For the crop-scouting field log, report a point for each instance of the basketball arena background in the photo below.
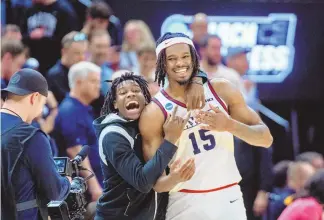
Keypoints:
(286, 38)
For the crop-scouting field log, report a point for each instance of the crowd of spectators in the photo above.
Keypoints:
(78, 53)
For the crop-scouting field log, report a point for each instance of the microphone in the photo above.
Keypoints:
(81, 155)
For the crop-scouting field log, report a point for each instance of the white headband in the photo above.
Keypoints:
(172, 41)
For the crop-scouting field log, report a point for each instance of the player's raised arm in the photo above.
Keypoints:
(243, 122)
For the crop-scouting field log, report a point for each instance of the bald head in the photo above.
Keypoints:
(199, 27)
(200, 18)
(74, 48)
(298, 174)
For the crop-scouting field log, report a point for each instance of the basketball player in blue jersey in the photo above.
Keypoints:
(213, 192)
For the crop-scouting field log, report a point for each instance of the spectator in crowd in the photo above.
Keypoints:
(99, 44)
(199, 28)
(99, 16)
(314, 158)
(298, 174)
(147, 62)
(136, 35)
(45, 24)
(236, 59)
(280, 191)
(29, 179)
(12, 59)
(310, 203)
(114, 57)
(74, 48)
(73, 124)
(11, 32)
(211, 61)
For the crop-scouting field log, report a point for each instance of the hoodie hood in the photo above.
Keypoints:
(103, 121)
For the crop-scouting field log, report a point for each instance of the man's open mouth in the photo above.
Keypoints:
(132, 105)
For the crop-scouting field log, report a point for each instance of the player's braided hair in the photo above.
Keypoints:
(160, 71)
(108, 106)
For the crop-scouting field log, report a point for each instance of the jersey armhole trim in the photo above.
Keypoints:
(161, 107)
(167, 96)
(217, 97)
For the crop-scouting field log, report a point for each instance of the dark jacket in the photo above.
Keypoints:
(14, 147)
(58, 82)
(128, 181)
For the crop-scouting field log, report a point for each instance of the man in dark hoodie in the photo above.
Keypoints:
(128, 181)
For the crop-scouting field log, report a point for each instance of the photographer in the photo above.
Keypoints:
(29, 179)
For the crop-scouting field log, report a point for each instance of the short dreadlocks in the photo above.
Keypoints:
(110, 98)
(160, 71)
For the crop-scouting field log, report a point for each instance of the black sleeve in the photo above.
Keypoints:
(202, 75)
(120, 154)
(265, 168)
(23, 25)
(115, 29)
(39, 157)
(55, 85)
(68, 20)
(72, 22)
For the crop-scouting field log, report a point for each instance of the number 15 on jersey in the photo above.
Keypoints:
(202, 140)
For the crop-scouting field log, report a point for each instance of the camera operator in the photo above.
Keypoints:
(29, 179)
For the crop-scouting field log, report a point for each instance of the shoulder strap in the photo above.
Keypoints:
(26, 205)
(116, 129)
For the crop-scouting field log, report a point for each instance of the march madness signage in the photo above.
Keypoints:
(270, 39)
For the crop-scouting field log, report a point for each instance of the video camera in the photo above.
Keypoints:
(73, 207)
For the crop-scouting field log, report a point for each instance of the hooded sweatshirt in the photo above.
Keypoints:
(128, 180)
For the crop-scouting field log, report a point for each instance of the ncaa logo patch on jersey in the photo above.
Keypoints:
(168, 106)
